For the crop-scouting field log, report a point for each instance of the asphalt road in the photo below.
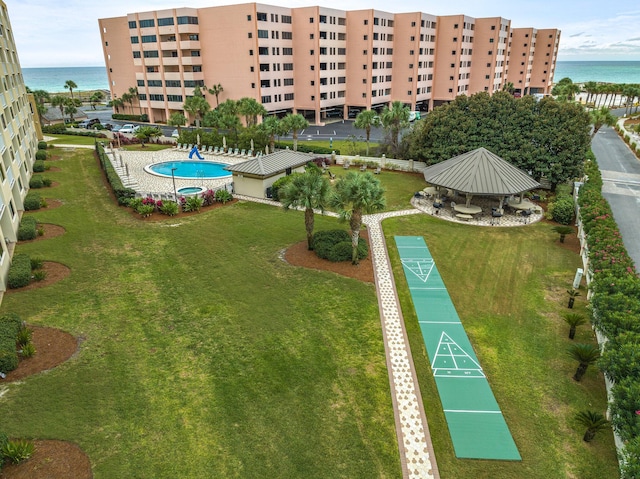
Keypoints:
(621, 186)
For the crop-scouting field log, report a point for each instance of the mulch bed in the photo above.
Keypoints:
(51, 460)
(55, 272)
(50, 231)
(160, 217)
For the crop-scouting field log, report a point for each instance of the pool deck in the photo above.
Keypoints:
(146, 183)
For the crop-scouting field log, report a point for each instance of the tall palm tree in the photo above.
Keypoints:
(590, 87)
(96, 98)
(216, 90)
(310, 191)
(127, 98)
(250, 109)
(574, 320)
(593, 421)
(70, 85)
(357, 194)
(41, 97)
(177, 119)
(294, 123)
(197, 105)
(59, 101)
(585, 354)
(364, 121)
(271, 126)
(394, 119)
(117, 103)
(601, 117)
(70, 108)
(133, 91)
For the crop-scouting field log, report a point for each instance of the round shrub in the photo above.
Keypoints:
(563, 210)
(46, 182)
(28, 228)
(36, 182)
(343, 251)
(38, 166)
(42, 145)
(324, 241)
(32, 201)
(41, 155)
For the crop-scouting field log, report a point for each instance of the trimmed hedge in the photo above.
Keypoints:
(41, 155)
(19, 271)
(615, 303)
(57, 129)
(122, 193)
(304, 148)
(36, 182)
(32, 201)
(39, 166)
(28, 228)
(9, 326)
(563, 210)
(42, 145)
(120, 116)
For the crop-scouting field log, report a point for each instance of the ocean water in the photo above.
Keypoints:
(95, 78)
(53, 79)
(605, 72)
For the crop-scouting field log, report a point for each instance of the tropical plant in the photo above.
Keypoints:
(393, 120)
(59, 101)
(117, 103)
(585, 354)
(191, 203)
(24, 336)
(17, 450)
(71, 107)
(508, 87)
(216, 90)
(29, 349)
(365, 121)
(169, 208)
(573, 294)
(96, 98)
(178, 120)
(146, 133)
(294, 123)
(573, 320)
(197, 105)
(271, 126)
(70, 85)
(309, 191)
(563, 231)
(41, 97)
(593, 421)
(601, 117)
(630, 459)
(621, 357)
(223, 196)
(133, 91)
(250, 109)
(357, 194)
(128, 98)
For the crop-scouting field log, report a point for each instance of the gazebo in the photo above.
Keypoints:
(480, 172)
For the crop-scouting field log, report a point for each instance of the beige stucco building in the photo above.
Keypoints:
(18, 143)
(318, 61)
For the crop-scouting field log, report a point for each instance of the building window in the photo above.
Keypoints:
(195, 53)
(287, 36)
(187, 20)
(287, 67)
(173, 83)
(263, 50)
(154, 82)
(261, 16)
(162, 22)
(287, 51)
(266, 99)
(132, 24)
(288, 96)
(136, 54)
(12, 209)
(264, 67)
(263, 33)
(135, 40)
(177, 98)
(151, 54)
(286, 18)
(147, 23)
(288, 82)
(248, 18)
(149, 39)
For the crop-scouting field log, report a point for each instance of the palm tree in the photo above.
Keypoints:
(364, 121)
(250, 109)
(41, 97)
(216, 90)
(294, 123)
(590, 87)
(117, 103)
(177, 119)
(197, 105)
(508, 87)
(133, 91)
(127, 98)
(59, 101)
(147, 132)
(310, 191)
(70, 85)
(601, 117)
(356, 194)
(96, 98)
(394, 119)
(585, 354)
(271, 126)
(70, 108)
(573, 294)
(593, 421)
(573, 320)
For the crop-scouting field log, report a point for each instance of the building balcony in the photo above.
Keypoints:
(169, 45)
(170, 60)
(190, 45)
(188, 28)
(191, 61)
(172, 75)
(151, 62)
(193, 76)
(156, 104)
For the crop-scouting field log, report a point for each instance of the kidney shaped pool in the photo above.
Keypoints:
(187, 169)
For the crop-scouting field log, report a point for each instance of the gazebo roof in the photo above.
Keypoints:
(480, 172)
(272, 164)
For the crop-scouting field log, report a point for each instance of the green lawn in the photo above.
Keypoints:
(74, 140)
(509, 288)
(203, 354)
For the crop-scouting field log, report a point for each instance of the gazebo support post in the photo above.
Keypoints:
(469, 196)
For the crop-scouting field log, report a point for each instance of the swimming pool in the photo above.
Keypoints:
(187, 169)
(191, 190)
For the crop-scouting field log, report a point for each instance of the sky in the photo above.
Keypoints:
(52, 33)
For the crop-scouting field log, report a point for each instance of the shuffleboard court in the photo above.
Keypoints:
(477, 427)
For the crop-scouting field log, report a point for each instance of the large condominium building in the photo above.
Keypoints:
(18, 143)
(317, 61)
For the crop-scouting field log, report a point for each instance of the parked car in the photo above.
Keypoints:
(116, 128)
(88, 123)
(129, 128)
